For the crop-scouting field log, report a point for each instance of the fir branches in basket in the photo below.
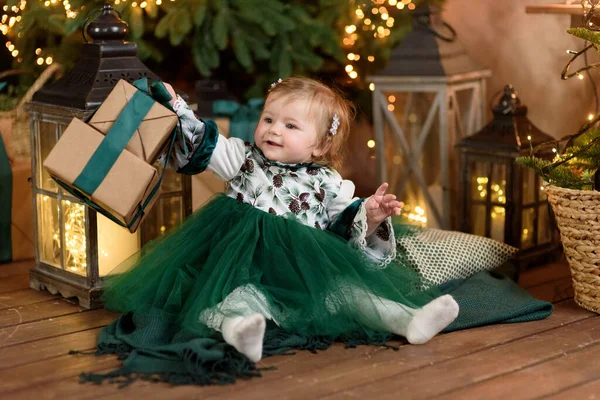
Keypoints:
(576, 166)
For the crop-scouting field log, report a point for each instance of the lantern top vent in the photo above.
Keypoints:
(104, 61)
(510, 129)
(107, 26)
(430, 49)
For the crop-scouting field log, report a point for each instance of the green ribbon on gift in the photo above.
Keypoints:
(242, 117)
(114, 143)
(5, 205)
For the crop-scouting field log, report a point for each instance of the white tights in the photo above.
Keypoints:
(245, 330)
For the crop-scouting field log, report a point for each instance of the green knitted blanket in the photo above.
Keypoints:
(487, 298)
(152, 349)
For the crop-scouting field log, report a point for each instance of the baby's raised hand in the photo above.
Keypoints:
(171, 92)
(380, 206)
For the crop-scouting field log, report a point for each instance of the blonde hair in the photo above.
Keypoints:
(324, 102)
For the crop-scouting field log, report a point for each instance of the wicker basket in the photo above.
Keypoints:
(17, 119)
(577, 215)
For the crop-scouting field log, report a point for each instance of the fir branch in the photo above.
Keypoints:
(586, 34)
(561, 176)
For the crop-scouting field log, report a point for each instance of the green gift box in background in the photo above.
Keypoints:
(242, 117)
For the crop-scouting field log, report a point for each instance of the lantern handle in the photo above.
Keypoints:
(54, 68)
(427, 25)
(93, 14)
(497, 95)
(494, 97)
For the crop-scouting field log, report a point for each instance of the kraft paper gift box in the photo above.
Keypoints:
(151, 135)
(125, 187)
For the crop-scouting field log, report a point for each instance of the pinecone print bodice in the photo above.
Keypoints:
(289, 190)
(312, 194)
(309, 193)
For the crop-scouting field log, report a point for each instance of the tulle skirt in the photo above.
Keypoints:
(230, 259)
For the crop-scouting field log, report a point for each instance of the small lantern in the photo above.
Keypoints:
(499, 198)
(75, 246)
(431, 95)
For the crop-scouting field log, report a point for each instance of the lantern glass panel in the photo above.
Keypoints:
(150, 225)
(172, 212)
(498, 184)
(544, 227)
(75, 257)
(530, 185)
(115, 244)
(47, 139)
(48, 230)
(166, 214)
(479, 181)
(172, 181)
(464, 112)
(497, 220)
(478, 219)
(528, 228)
(411, 111)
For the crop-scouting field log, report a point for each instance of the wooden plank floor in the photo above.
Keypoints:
(556, 358)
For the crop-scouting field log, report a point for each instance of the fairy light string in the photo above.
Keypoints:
(374, 17)
(10, 22)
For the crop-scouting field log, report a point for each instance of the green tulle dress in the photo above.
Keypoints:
(308, 281)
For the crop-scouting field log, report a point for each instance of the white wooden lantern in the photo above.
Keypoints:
(431, 95)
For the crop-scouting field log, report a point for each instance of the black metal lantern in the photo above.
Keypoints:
(75, 246)
(499, 198)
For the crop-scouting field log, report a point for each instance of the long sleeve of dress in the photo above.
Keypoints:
(348, 218)
(206, 148)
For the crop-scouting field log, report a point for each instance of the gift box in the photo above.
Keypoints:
(150, 137)
(122, 190)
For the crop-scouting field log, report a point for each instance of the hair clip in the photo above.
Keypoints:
(275, 83)
(334, 125)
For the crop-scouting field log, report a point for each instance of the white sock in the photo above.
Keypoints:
(429, 320)
(245, 334)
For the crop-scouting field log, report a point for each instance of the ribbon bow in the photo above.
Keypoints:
(161, 95)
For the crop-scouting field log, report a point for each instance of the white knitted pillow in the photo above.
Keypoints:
(440, 256)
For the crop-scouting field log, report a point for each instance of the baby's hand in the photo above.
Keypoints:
(171, 92)
(380, 206)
